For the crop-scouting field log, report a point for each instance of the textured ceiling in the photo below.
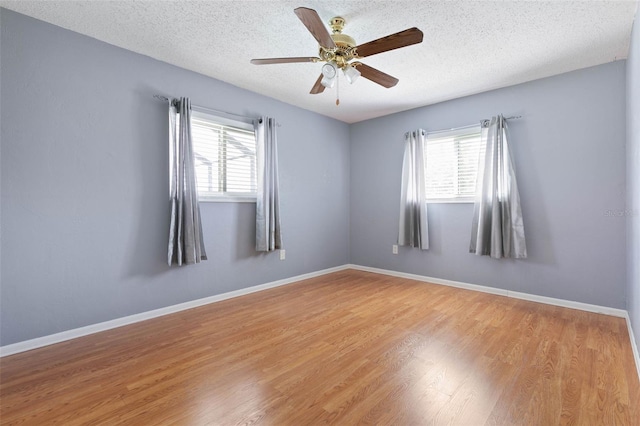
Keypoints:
(469, 46)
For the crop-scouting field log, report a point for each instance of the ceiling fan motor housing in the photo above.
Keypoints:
(345, 49)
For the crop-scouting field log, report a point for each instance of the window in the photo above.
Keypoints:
(225, 158)
(452, 164)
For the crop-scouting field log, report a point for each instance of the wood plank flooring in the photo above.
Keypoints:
(346, 348)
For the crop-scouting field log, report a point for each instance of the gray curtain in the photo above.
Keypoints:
(186, 244)
(497, 227)
(268, 235)
(413, 227)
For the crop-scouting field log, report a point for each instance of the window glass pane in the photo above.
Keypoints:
(225, 157)
(451, 162)
(441, 173)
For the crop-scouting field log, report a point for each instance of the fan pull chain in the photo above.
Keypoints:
(337, 88)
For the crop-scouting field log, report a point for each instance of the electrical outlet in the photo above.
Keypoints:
(282, 254)
(394, 249)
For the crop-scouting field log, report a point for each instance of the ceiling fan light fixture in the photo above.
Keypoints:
(329, 70)
(328, 82)
(329, 74)
(351, 73)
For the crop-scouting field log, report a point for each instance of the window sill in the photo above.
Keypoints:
(451, 201)
(227, 199)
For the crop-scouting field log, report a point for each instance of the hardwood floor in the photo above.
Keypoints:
(346, 348)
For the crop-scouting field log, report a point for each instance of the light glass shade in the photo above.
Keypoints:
(329, 74)
(351, 73)
(328, 82)
(329, 70)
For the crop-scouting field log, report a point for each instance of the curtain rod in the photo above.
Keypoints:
(485, 121)
(482, 122)
(513, 117)
(217, 111)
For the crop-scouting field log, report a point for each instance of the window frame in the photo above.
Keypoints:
(460, 132)
(226, 197)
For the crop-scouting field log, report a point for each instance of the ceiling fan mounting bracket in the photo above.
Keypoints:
(337, 24)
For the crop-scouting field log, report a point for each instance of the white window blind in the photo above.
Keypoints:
(225, 157)
(451, 162)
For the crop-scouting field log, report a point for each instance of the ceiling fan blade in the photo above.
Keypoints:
(312, 21)
(282, 60)
(317, 87)
(390, 42)
(376, 76)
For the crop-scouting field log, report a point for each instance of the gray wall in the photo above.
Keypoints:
(84, 186)
(569, 152)
(633, 181)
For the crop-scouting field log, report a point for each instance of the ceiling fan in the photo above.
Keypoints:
(338, 50)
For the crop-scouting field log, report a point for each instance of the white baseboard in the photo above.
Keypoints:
(634, 347)
(507, 293)
(51, 339)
